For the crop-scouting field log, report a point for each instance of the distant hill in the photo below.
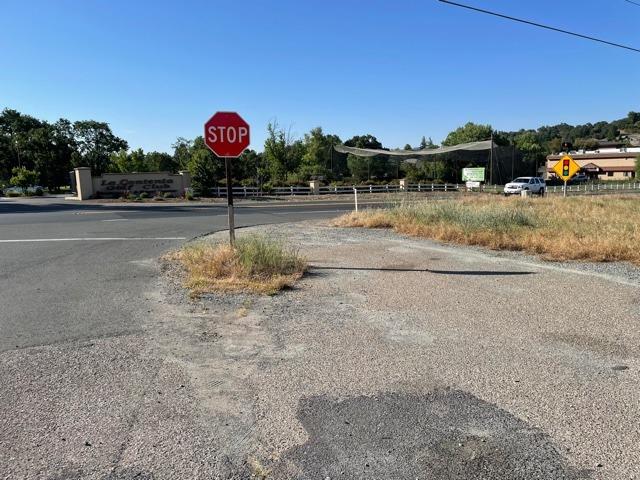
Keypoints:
(625, 130)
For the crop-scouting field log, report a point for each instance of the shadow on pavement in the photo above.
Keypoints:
(425, 270)
(446, 434)
(16, 207)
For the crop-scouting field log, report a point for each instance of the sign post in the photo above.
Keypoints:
(231, 221)
(565, 169)
(227, 136)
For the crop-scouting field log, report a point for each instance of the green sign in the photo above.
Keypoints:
(473, 174)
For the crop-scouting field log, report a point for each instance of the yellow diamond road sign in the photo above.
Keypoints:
(566, 168)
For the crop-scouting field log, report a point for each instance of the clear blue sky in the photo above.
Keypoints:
(397, 69)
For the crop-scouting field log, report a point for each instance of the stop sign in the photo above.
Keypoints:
(226, 134)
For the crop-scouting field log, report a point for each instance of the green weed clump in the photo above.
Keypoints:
(470, 217)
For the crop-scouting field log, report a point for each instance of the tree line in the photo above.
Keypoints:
(42, 152)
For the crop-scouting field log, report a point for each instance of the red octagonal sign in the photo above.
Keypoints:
(226, 134)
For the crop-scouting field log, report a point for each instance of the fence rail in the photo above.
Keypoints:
(595, 188)
(586, 188)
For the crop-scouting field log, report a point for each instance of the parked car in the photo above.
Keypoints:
(520, 184)
(579, 178)
(12, 191)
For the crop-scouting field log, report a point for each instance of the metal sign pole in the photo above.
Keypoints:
(232, 233)
(564, 190)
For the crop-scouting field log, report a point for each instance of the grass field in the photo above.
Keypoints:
(601, 229)
(256, 264)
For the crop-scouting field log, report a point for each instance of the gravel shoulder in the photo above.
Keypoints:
(404, 358)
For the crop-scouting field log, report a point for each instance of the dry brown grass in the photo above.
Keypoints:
(600, 229)
(256, 264)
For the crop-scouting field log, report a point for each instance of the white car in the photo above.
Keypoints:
(520, 184)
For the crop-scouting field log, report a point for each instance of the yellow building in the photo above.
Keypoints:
(604, 164)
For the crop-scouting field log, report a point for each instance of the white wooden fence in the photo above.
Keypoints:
(586, 188)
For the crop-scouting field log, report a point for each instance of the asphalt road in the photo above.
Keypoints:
(84, 384)
(70, 271)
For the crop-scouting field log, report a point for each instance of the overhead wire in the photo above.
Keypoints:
(540, 25)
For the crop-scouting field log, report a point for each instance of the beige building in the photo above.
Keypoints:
(604, 164)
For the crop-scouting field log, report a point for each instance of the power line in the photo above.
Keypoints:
(547, 27)
(633, 3)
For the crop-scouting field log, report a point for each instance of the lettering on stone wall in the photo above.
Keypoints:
(137, 185)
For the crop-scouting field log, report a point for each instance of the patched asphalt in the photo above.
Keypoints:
(446, 434)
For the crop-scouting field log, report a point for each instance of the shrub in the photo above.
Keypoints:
(144, 195)
(263, 257)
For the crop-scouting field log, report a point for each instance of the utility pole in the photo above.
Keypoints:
(491, 162)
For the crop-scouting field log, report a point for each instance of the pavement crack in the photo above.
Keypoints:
(73, 342)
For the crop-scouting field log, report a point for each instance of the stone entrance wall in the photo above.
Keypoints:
(119, 184)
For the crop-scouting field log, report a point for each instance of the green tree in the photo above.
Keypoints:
(125, 162)
(20, 148)
(407, 147)
(470, 132)
(554, 145)
(36, 145)
(23, 178)
(586, 143)
(359, 167)
(318, 157)
(249, 168)
(533, 152)
(275, 153)
(161, 162)
(375, 167)
(528, 142)
(64, 146)
(182, 152)
(296, 150)
(638, 166)
(364, 141)
(427, 144)
(96, 143)
(41, 153)
(205, 171)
